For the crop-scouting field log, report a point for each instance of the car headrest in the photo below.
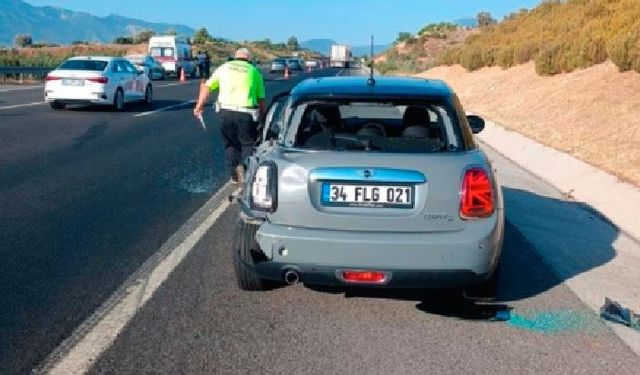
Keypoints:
(414, 115)
(371, 130)
(416, 131)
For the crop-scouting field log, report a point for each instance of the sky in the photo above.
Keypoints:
(345, 21)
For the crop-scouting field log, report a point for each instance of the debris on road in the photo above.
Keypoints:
(614, 312)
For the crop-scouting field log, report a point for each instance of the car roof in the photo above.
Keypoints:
(98, 58)
(356, 86)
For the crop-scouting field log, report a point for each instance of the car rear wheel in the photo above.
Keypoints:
(57, 105)
(244, 252)
(148, 95)
(118, 100)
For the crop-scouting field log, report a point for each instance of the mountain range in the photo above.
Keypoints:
(57, 25)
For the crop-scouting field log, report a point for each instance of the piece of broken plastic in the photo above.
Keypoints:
(614, 312)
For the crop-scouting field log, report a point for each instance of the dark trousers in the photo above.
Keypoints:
(239, 133)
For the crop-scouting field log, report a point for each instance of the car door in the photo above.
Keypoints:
(138, 81)
(123, 77)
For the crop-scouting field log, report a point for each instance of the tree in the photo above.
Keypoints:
(23, 40)
(201, 36)
(143, 36)
(292, 43)
(123, 40)
(484, 19)
(171, 32)
(404, 36)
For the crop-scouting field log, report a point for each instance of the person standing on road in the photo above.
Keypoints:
(201, 58)
(241, 102)
(207, 65)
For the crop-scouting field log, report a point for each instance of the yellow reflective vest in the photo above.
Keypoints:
(240, 84)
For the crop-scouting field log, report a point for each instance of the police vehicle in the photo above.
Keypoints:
(369, 182)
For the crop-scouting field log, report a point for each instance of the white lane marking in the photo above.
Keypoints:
(9, 89)
(77, 354)
(164, 108)
(176, 84)
(21, 105)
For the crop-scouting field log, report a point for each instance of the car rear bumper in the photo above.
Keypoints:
(91, 98)
(453, 259)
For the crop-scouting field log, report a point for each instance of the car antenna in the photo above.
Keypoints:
(371, 81)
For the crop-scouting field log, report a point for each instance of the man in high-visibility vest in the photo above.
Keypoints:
(240, 103)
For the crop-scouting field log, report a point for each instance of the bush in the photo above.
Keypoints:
(123, 40)
(450, 56)
(524, 53)
(471, 59)
(624, 52)
(505, 57)
(23, 40)
(549, 60)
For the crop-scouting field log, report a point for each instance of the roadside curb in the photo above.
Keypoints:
(618, 201)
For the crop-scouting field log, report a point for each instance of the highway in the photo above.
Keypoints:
(88, 195)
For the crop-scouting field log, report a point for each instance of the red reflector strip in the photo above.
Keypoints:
(98, 79)
(53, 78)
(364, 277)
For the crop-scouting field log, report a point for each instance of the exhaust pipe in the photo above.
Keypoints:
(291, 277)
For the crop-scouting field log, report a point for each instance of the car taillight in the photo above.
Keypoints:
(264, 193)
(476, 196)
(102, 80)
(53, 78)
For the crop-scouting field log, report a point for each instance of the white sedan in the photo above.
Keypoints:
(97, 80)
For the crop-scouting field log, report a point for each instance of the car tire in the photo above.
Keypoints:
(148, 95)
(243, 252)
(118, 100)
(486, 291)
(57, 105)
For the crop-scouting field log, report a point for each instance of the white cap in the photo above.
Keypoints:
(243, 53)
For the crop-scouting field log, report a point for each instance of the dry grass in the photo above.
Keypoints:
(593, 113)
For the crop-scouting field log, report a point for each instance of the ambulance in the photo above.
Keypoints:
(173, 52)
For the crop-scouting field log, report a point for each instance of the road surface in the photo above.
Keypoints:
(88, 195)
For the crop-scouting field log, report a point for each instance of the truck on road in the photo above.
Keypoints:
(340, 55)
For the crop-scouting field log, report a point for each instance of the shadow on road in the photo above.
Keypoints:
(581, 236)
(128, 108)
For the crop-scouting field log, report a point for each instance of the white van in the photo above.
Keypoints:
(173, 52)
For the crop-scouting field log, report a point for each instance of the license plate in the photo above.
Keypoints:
(73, 82)
(375, 196)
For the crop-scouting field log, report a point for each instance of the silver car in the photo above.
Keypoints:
(369, 183)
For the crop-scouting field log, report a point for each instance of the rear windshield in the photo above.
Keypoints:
(94, 65)
(162, 52)
(136, 59)
(415, 127)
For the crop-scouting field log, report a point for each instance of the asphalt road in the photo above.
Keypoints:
(89, 196)
(86, 196)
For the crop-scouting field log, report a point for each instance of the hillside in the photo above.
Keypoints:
(57, 25)
(415, 53)
(591, 113)
(560, 36)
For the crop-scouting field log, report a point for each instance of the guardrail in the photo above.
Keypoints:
(20, 72)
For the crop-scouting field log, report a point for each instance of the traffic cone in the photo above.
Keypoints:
(183, 78)
(286, 72)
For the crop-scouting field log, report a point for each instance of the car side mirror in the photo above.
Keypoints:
(476, 123)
